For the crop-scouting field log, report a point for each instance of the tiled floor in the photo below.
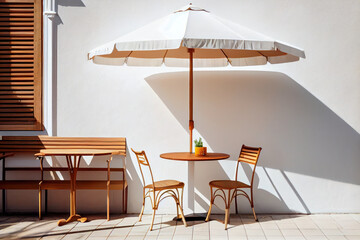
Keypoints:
(271, 227)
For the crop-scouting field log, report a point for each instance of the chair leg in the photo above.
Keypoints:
(180, 206)
(152, 220)
(256, 219)
(143, 206)
(209, 212)
(252, 204)
(210, 207)
(236, 207)
(182, 215)
(226, 217)
(142, 210)
(177, 210)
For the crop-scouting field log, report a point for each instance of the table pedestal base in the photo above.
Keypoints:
(72, 218)
(192, 217)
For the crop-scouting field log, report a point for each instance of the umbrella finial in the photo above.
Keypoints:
(190, 7)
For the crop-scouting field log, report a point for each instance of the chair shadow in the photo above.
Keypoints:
(298, 133)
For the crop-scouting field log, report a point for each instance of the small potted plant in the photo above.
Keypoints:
(199, 149)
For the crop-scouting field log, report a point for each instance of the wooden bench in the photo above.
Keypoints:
(10, 145)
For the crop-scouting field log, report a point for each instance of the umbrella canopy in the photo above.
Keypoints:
(192, 37)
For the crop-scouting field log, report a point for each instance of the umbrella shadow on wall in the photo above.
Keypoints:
(298, 133)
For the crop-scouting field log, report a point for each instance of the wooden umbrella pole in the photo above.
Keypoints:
(191, 121)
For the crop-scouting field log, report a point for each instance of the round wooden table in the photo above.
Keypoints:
(191, 159)
(186, 156)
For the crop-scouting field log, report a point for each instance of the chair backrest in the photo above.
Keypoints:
(248, 155)
(143, 165)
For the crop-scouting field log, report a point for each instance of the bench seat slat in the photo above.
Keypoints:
(19, 184)
(83, 184)
(51, 169)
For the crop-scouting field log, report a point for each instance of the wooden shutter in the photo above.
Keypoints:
(21, 65)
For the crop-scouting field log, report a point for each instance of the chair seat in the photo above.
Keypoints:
(166, 184)
(228, 184)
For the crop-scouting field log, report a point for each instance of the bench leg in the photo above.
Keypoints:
(126, 198)
(3, 191)
(46, 201)
(108, 203)
(3, 201)
(40, 203)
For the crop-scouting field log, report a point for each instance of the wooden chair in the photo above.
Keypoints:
(159, 190)
(248, 155)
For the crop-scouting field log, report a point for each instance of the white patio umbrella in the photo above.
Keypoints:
(192, 37)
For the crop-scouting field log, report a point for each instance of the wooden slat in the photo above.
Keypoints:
(16, 14)
(25, 126)
(14, 43)
(19, 138)
(16, 105)
(17, 74)
(27, 101)
(16, 96)
(62, 169)
(16, 10)
(19, 184)
(86, 147)
(16, 146)
(16, 47)
(20, 142)
(83, 184)
(16, 114)
(89, 139)
(16, 28)
(98, 184)
(17, 121)
(14, 88)
(250, 150)
(75, 144)
(21, 57)
(17, 150)
(13, 110)
(4, 101)
(16, 5)
(16, 51)
(14, 78)
(15, 84)
(246, 161)
(16, 23)
(17, 1)
(248, 156)
(16, 92)
(16, 38)
(18, 34)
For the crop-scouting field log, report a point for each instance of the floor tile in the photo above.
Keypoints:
(269, 227)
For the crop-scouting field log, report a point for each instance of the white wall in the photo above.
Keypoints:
(305, 114)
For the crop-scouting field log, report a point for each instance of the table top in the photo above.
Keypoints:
(75, 152)
(186, 156)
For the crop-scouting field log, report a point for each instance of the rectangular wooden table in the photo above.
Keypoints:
(73, 157)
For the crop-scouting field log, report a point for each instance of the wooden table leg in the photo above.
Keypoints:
(73, 172)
